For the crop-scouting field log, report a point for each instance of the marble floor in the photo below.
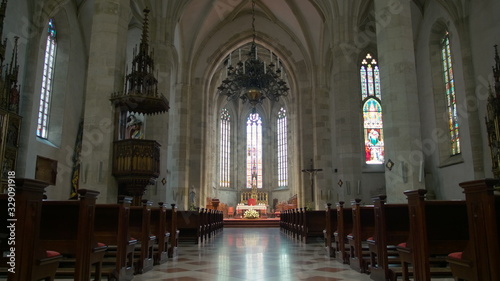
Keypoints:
(261, 254)
(252, 254)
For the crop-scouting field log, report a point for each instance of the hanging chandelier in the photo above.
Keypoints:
(254, 79)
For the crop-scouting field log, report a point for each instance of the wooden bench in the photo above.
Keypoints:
(391, 228)
(140, 229)
(67, 227)
(171, 217)
(363, 227)
(189, 224)
(437, 228)
(344, 227)
(480, 259)
(206, 224)
(112, 228)
(32, 262)
(330, 226)
(159, 229)
(313, 224)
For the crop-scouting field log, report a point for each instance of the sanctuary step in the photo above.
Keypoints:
(269, 222)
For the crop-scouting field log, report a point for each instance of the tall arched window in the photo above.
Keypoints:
(47, 79)
(451, 101)
(281, 137)
(372, 111)
(254, 150)
(225, 148)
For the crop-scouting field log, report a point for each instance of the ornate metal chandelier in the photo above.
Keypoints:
(253, 80)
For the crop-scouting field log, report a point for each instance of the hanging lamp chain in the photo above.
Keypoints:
(253, 22)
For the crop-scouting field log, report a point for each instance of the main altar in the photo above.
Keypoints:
(253, 200)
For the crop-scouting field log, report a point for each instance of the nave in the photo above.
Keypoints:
(260, 254)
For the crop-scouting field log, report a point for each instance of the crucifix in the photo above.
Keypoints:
(312, 172)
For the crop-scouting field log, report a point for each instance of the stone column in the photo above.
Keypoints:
(347, 124)
(105, 75)
(179, 145)
(400, 97)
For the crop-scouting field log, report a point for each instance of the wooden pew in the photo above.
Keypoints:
(32, 262)
(189, 223)
(344, 227)
(313, 224)
(159, 229)
(140, 229)
(68, 227)
(297, 226)
(112, 229)
(171, 218)
(330, 227)
(205, 224)
(391, 228)
(363, 227)
(437, 228)
(480, 260)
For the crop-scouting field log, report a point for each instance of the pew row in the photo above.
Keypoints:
(330, 226)
(140, 230)
(391, 229)
(111, 227)
(480, 259)
(313, 224)
(437, 228)
(363, 227)
(344, 228)
(159, 230)
(67, 226)
(171, 217)
(32, 262)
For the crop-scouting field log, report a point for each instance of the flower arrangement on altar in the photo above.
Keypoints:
(251, 214)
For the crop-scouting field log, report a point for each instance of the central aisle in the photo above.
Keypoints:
(252, 254)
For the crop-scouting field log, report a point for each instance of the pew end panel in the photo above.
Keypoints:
(140, 229)
(430, 239)
(67, 227)
(480, 258)
(159, 229)
(35, 262)
(112, 229)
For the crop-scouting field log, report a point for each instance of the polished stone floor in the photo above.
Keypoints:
(253, 254)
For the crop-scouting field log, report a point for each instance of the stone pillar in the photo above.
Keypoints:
(179, 146)
(347, 125)
(105, 75)
(399, 96)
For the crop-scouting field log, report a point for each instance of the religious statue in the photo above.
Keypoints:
(134, 128)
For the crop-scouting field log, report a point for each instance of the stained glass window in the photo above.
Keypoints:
(225, 148)
(47, 81)
(451, 101)
(372, 111)
(282, 148)
(254, 150)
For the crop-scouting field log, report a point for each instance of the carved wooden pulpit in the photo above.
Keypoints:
(136, 160)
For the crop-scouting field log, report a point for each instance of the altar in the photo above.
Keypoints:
(262, 209)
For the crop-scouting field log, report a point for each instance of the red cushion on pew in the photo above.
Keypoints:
(51, 254)
(402, 244)
(370, 239)
(456, 255)
(101, 245)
